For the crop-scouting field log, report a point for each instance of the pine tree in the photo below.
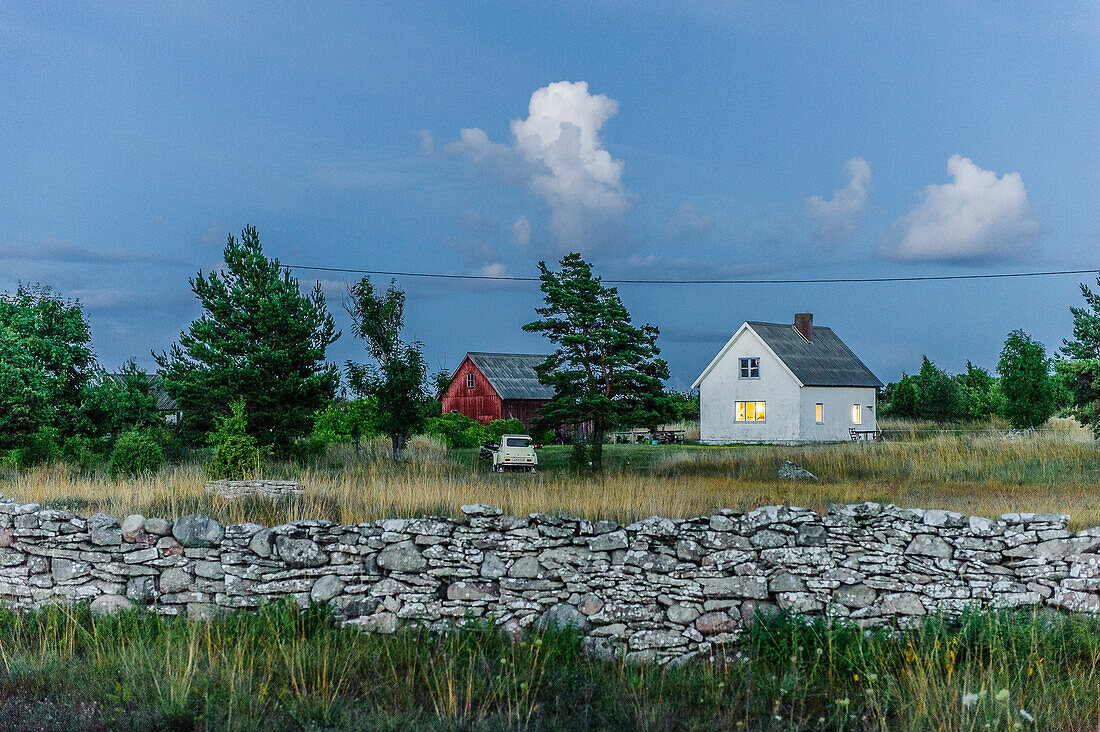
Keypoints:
(605, 370)
(260, 340)
(1086, 328)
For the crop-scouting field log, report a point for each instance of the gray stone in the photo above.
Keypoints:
(524, 568)
(902, 603)
(786, 582)
(158, 526)
(141, 588)
(790, 471)
(608, 542)
(768, 539)
(492, 567)
(64, 570)
(563, 616)
(133, 527)
(469, 591)
(751, 587)
(109, 605)
(209, 570)
(300, 552)
(402, 557)
(856, 596)
(681, 614)
(174, 579)
(326, 588)
(262, 543)
(929, 545)
(590, 604)
(104, 530)
(197, 530)
(810, 535)
(480, 509)
(714, 623)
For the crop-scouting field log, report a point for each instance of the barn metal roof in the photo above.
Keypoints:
(512, 375)
(826, 361)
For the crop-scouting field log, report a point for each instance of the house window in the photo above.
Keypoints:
(750, 368)
(748, 411)
(819, 413)
(857, 414)
(469, 381)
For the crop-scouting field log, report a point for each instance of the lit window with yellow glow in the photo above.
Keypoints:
(819, 413)
(857, 414)
(748, 411)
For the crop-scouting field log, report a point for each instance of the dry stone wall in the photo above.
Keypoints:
(658, 589)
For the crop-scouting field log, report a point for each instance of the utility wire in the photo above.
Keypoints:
(821, 281)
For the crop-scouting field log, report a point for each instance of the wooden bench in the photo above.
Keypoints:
(855, 434)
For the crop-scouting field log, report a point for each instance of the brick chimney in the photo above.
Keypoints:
(804, 324)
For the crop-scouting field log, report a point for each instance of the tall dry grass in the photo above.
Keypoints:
(1056, 471)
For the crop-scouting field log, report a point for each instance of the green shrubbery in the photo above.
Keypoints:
(135, 453)
(237, 454)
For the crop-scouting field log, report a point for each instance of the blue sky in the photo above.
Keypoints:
(662, 140)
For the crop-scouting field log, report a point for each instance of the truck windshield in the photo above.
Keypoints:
(518, 442)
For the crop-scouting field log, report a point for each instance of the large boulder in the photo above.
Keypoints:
(563, 616)
(790, 471)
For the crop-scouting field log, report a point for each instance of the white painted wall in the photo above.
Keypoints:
(837, 404)
(723, 386)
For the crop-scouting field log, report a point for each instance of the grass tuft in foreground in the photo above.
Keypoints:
(278, 669)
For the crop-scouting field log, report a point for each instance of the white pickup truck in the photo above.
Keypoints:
(514, 452)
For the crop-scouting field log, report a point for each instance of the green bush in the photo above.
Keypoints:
(500, 427)
(237, 454)
(579, 458)
(309, 450)
(135, 453)
(37, 448)
(340, 420)
(457, 430)
(82, 451)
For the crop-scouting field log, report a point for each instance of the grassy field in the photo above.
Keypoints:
(981, 474)
(278, 669)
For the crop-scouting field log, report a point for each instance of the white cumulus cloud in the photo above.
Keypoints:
(839, 218)
(557, 153)
(976, 216)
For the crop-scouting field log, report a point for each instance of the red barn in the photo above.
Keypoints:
(488, 386)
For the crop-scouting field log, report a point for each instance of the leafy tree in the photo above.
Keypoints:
(118, 403)
(441, 381)
(1086, 328)
(605, 370)
(901, 397)
(344, 420)
(936, 393)
(979, 395)
(260, 340)
(46, 360)
(1025, 380)
(397, 382)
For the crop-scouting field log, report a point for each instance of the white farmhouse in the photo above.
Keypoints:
(775, 382)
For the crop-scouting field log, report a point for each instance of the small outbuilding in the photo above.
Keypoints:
(786, 383)
(490, 386)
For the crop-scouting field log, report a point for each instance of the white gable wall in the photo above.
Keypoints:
(836, 404)
(722, 386)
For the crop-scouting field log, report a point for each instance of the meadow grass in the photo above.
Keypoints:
(980, 474)
(279, 669)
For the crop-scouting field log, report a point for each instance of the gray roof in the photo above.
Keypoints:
(165, 403)
(824, 362)
(512, 375)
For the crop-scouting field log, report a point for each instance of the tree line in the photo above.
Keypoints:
(1029, 386)
(251, 379)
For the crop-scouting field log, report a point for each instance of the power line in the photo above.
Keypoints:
(820, 281)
